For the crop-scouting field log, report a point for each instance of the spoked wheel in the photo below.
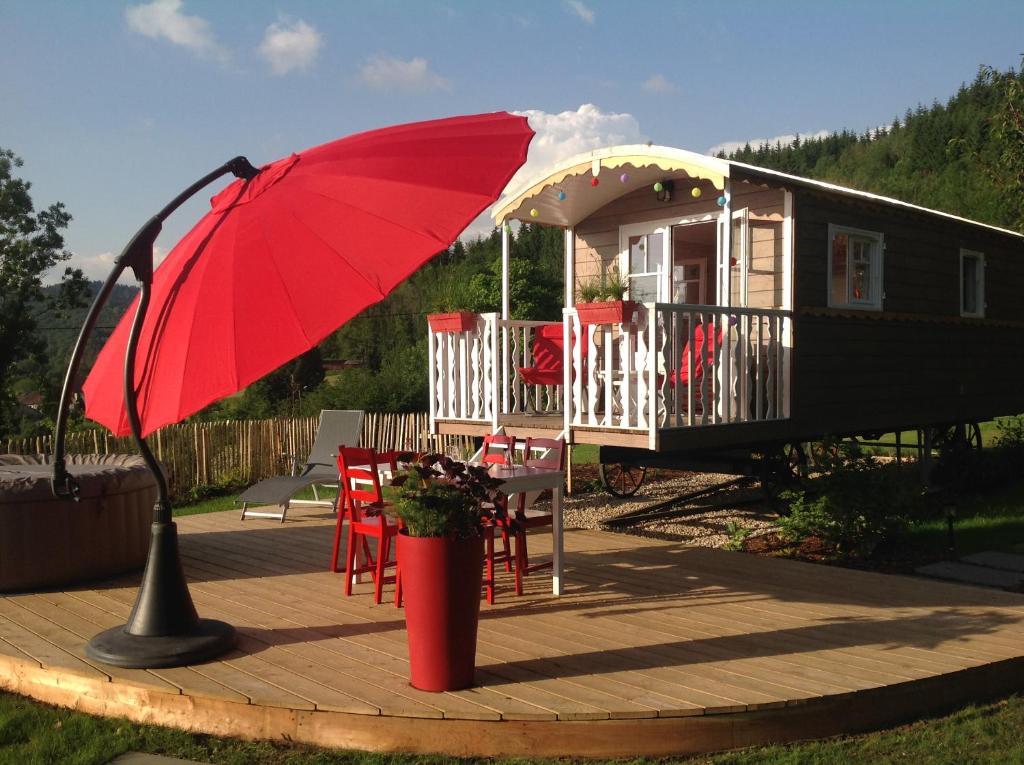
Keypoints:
(960, 437)
(621, 480)
(782, 468)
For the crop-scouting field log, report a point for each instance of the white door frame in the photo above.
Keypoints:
(664, 226)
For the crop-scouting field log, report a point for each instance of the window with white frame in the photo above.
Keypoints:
(855, 268)
(645, 259)
(972, 283)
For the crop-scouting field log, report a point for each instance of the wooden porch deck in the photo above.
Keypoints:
(655, 649)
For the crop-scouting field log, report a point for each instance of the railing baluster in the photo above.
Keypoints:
(625, 361)
(758, 371)
(695, 353)
(672, 368)
(577, 368)
(779, 358)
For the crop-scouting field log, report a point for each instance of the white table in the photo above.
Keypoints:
(517, 480)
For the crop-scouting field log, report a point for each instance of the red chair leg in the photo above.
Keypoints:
(520, 560)
(378, 574)
(350, 559)
(507, 548)
(337, 540)
(398, 584)
(489, 581)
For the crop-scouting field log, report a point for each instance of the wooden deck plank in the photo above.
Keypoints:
(50, 644)
(187, 680)
(336, 609)
(618, 706)
(650, 638)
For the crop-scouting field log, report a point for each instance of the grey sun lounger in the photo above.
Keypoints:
(337, 427)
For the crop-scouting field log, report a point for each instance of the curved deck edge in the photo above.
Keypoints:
(654, 737)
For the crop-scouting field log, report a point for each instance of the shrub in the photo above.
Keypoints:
(966, 470)
(858, 506)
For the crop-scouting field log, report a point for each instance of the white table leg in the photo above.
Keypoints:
(556, 541)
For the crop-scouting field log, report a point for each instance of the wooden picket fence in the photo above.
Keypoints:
(241, 452)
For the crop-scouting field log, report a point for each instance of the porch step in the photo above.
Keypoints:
(969, 573)
(1000, 560)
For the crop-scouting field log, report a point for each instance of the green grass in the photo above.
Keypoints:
(38, 734)
(990, 521)
(989, 433)
(228, 501)
(584, 454)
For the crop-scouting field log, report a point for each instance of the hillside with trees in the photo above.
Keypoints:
(965, 156)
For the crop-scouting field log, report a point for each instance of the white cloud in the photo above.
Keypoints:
(581, 10)
(287, 46)
(98, 267)
(164, 19)
(560, 136)
(393, 73)
(786, 139)
(658, 83)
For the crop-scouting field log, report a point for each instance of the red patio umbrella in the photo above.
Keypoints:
(284, 259)
(288, 253)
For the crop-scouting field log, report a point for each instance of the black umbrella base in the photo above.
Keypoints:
(118, 648)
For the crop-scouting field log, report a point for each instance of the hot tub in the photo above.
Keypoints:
(45, 541)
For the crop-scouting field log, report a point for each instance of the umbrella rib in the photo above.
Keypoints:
(356, 271)
(388, 220)
(284, 284)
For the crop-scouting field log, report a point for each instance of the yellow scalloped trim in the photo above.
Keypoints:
(636, 160)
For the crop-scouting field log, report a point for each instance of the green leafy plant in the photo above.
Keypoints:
(858, 506)
(737, 536)
(613, 287)
(440, 497)
(590, 292)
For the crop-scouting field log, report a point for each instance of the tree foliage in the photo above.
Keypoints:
(965, 156)
(31, 245)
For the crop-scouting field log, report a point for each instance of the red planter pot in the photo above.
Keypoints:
(441, 580)
(459, 321)
(610, 312)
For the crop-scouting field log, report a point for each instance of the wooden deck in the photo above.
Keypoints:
(655, 649)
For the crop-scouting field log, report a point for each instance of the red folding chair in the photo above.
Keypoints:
(363, 503)
(548, 357)
(710, 344)
(498, 449)
(546, 453)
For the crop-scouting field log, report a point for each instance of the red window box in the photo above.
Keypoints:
(459, 321)
(609, 312)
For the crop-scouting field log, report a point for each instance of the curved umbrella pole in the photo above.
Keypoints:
(163, 629)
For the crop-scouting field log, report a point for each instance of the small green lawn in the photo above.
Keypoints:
(990, 521)
(38, 734)
(229, 501)
(989, 433)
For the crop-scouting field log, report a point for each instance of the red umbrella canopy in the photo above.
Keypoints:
(283, 260)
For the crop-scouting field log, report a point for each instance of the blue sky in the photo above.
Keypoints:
(117, 106)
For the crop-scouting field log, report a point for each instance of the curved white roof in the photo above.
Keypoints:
(537, 200)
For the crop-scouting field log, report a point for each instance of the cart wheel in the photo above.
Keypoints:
(621, 480)
(823, 456)
(783, 468)
(960, 437)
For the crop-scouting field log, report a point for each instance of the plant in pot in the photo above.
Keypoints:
(451, 298)
(445, 506)
(602, 303)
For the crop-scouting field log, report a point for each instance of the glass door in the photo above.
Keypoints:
(733, 258)
(645, 278)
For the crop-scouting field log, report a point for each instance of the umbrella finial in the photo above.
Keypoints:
(242, 168)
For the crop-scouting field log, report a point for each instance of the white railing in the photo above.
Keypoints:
(519, 395)
(632, 369)
(744, 373)
(464, 372)
(670, 366)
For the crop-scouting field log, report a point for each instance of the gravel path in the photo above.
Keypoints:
(704, 529)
